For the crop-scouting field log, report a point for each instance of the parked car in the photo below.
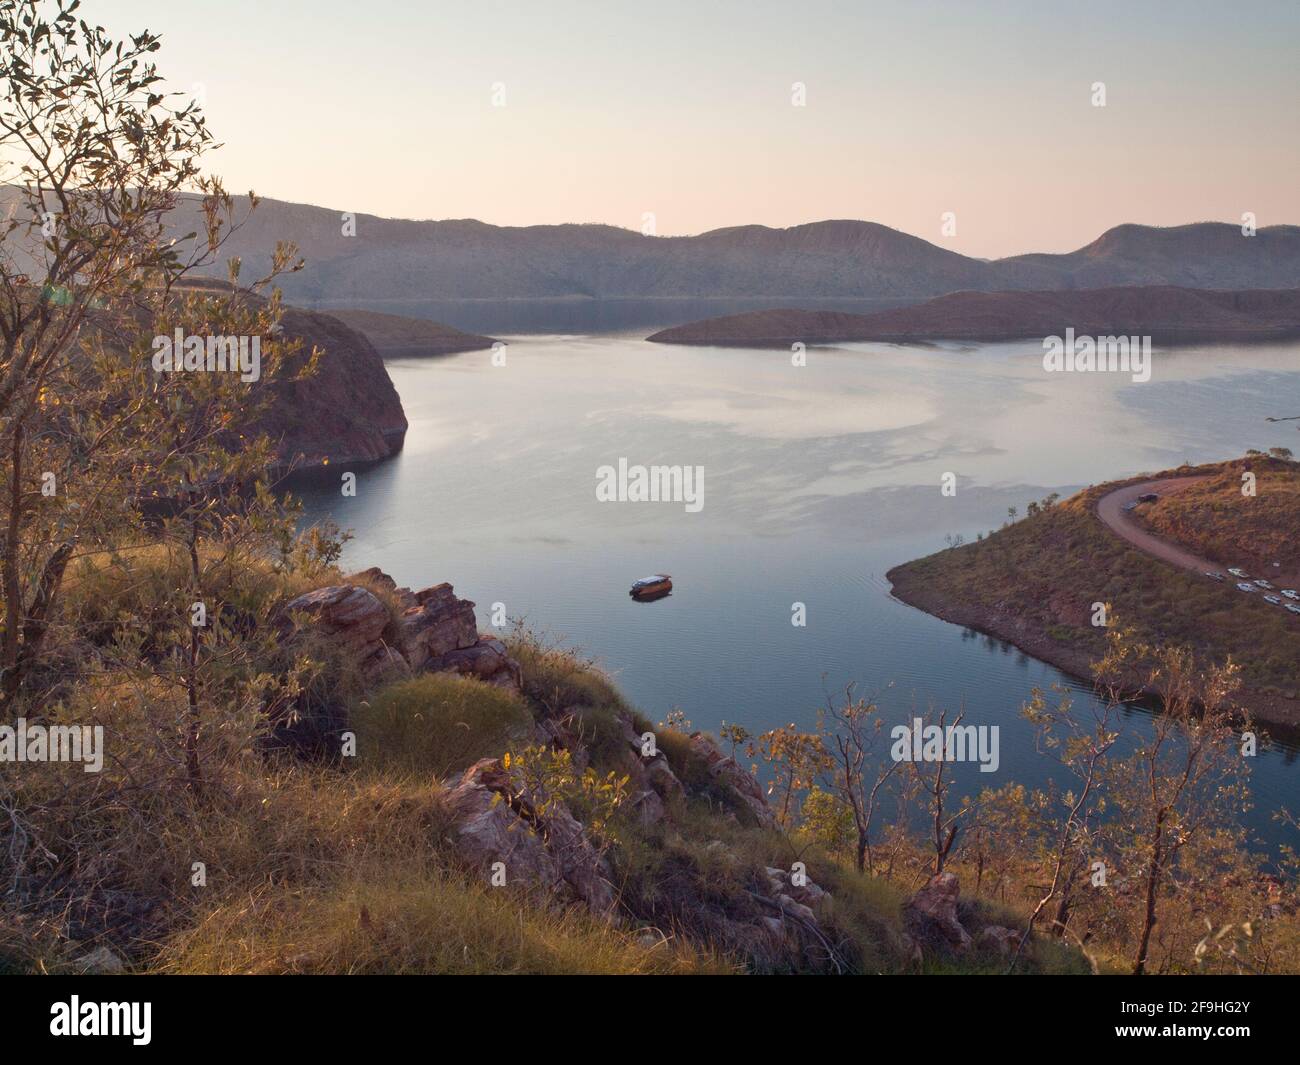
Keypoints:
(1245, 586)
(1275, 600)
(1293, 608)
(1291, 593)
(1236, 572)
(1214, 576)
(1261, 583)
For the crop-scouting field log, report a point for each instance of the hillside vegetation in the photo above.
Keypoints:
(1034, 582)
(1216, 519)
(352, 865)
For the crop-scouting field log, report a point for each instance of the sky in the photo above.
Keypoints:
(682, 116)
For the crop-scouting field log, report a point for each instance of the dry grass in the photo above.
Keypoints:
(406, 916)
(1216, 520)
(1045, 572)
(434, 724)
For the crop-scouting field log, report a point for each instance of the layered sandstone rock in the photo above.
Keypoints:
(436, 631)
(730, 773)
(541, 848)
(930, 916)
(353, 617)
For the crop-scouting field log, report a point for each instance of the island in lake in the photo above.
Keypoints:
(1167, 313)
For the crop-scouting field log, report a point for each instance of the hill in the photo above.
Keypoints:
(1168, 314)
(356, 260)
(1034, 582)
(347, 411)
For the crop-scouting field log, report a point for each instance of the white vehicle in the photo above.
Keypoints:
(1291, 593)
(1214, 576)
(1236, 572)
(1293, 608)
(1262, 584)
(1273, 599)
(1245, 586)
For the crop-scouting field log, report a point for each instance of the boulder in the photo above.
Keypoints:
(997, 938)
(796, 909)
(437, 632)
(782, 883)
(549, 853)
(374, 575)
(436, 625)
(930, 916)
(652, 784)
(729, 772)
(354, 617)
(387, 666)
(486, 659)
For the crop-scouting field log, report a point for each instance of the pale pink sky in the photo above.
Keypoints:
(684, 109)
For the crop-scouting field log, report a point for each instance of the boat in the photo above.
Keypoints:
(651, 587)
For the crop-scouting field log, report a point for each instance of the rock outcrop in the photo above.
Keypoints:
(348, 411)
(999, 939)
(930, 916)
(733, 775)
(543, 848)
(775, 918)
(436, 632)
(434, 623)
(353, 617)
(653, 785)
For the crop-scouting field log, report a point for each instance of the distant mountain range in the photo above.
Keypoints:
(1167, 314)
(404, 260)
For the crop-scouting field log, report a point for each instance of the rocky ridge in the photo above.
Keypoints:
(781, 919)
(436, 632)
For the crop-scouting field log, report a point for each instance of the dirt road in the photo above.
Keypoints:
(1110, 508)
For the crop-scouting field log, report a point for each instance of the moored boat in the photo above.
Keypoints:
(651, 587)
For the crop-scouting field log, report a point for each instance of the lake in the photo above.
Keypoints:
(818, 479)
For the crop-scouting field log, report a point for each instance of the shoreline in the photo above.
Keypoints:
(1267, 709)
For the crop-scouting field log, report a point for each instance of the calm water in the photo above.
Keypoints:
(592, 316)
(818, 479)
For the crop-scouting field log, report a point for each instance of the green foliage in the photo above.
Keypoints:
(543, 776)
(794, 758)
(735, 735)
(827, 821)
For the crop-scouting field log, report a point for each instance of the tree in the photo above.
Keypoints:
(849, 731)
(945, 824)
(1185, 780)
(1081, 745)
(103, 449)
(796, 759)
